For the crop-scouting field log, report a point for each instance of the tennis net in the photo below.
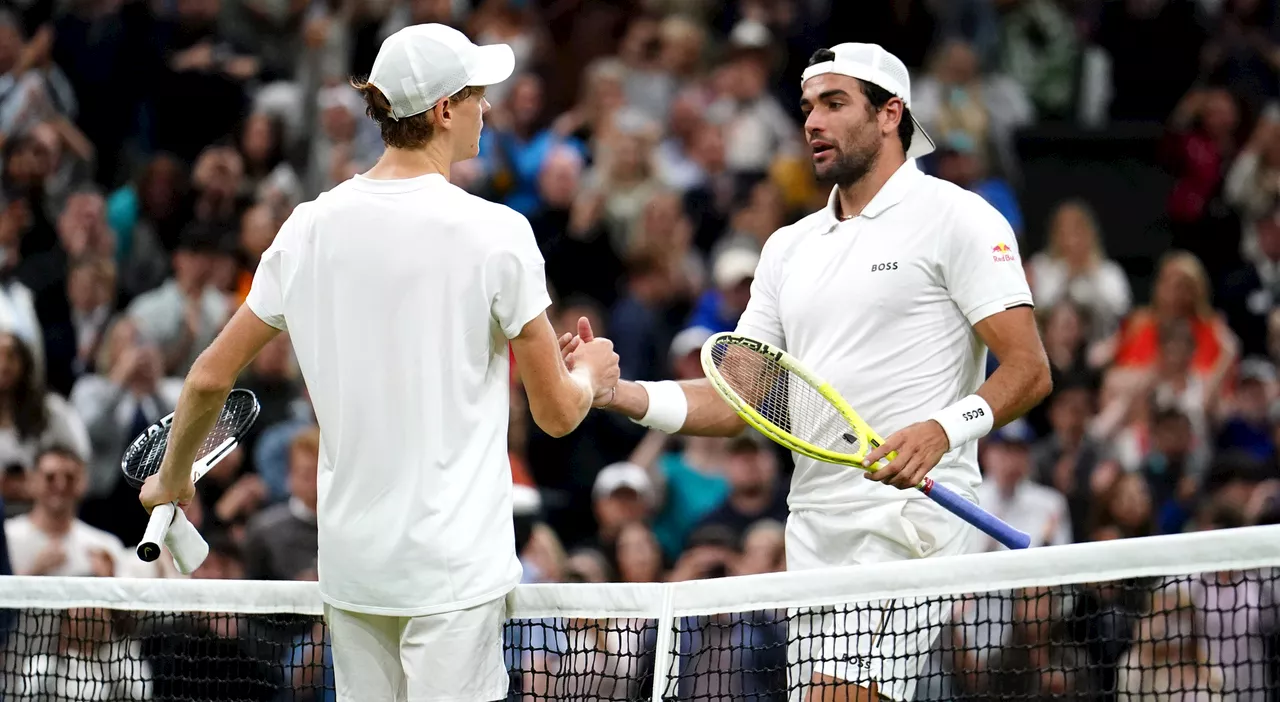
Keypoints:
(1185, 617)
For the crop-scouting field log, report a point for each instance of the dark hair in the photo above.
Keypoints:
(29, 415)
(60, 452)
(877, 97)
(409, 133)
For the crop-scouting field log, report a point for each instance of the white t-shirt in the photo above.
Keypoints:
(882, 306)
(400, 297)
(26, 542)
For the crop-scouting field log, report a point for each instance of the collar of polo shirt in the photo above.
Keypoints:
(891, 193)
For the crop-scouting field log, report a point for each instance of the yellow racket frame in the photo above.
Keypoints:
(868, 439)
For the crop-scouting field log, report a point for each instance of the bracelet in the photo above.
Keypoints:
(966, 420)
(668, 406)
(612, 396)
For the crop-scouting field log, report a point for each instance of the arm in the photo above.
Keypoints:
(559, 398)
(1022, 380)
(200, 403)
(708, 414)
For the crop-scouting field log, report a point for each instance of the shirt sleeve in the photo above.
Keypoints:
(266, 295)
(981, 265)
(516, 279)
(761, 319)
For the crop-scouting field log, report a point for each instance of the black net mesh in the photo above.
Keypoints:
(1187, 638)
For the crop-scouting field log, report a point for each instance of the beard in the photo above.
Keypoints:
(851, 162)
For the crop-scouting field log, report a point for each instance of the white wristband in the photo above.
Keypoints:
(968, 419)
(668, 406)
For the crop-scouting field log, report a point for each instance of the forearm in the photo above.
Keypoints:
(708, 414)
(198, 408)
(1018, 384)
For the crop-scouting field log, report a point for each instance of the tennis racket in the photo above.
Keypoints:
(782, 399)
(142, 459)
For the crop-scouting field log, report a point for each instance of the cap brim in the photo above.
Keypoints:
(921, 143)
(494, 63)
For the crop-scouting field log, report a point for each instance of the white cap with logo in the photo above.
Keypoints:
(423, 64)
(871, 63)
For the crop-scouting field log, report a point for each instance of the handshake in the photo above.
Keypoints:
(592, 360)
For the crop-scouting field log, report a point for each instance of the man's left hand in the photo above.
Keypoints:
(154, 492)
(919, 447)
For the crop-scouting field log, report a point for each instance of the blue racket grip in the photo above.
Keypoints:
(990, 524)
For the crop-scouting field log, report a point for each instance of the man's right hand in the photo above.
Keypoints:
(595, 355)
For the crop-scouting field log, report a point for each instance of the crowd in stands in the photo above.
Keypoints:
(150, 150)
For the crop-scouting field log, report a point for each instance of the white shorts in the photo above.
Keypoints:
(888, 642)
(447, 657)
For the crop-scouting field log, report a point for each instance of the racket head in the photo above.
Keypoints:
(143, 456)
(778, 396)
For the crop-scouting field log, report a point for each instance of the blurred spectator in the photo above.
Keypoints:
(1039, 49)
(688, 484)
(757, 128)
(569, 230)
(128, 393)
(1074, 267)
(147, 217)
(1125, 507)
(623, 493)
(184, 314)
(262, 147)
(1072, 459)
(637, 554)
(71, 346)
(638, 322)
(956, 99)
(232, 495)
(1201, 142)
(1007, 491)
(1247, 423)
(1253, 290)
(50, 540)
(280, 541)
(763, 549)
(1181, 291)
(755, 489)
(517, 144)
(204, 79)
(623, 175)
(1252, 184)
(959, 162)
(31, 420)
(720, 307)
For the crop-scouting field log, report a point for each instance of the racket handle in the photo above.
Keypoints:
(987, 522)
(157, 527)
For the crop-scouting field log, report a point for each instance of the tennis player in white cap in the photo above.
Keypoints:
(893, 293)
(401, 293)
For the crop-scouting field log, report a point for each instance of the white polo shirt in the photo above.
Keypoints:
(882, 306)
(400, 297)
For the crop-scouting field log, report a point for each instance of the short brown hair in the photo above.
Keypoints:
(408, 133)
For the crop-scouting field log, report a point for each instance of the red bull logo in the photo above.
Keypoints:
(1002, 252)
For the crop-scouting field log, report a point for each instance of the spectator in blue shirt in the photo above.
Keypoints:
(719, 308)
(514, 149)
(959, 162)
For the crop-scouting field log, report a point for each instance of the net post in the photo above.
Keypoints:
(662, 658)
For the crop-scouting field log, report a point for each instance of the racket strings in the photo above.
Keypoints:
(144, 457)
(783, 398)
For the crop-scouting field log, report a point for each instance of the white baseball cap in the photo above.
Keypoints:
(733, 266)
(423, 64)
(623, 475)
(871, 63)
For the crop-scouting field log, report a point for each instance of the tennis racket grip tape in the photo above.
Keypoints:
(157, 528)
(985, 521)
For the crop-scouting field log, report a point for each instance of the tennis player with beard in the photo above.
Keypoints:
(893, 292)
